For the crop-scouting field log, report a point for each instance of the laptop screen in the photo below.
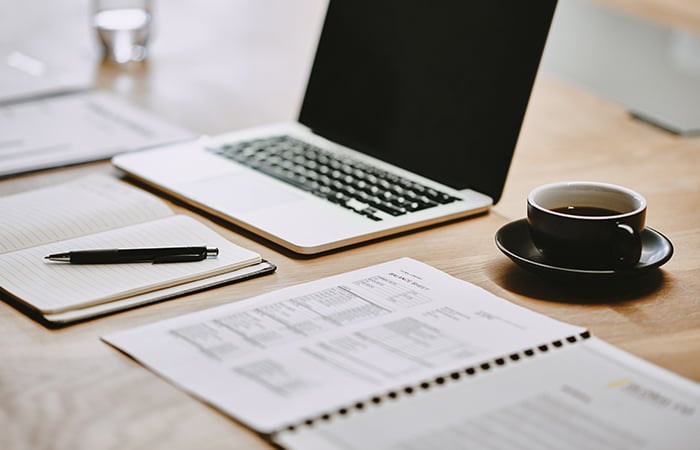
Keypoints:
(439, 88)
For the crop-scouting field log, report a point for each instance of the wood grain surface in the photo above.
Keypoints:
(222, 65)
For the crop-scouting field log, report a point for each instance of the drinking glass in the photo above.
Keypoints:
(123, 28)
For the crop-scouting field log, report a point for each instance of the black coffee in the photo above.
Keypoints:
(586, 211)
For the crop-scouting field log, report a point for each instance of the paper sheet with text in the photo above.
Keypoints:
(585, 396)
(303, 351)
(84, 126)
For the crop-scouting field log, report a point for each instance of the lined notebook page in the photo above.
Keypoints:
(54, 287)
(85, 206)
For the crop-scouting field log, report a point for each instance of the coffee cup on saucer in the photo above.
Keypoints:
(587, 224)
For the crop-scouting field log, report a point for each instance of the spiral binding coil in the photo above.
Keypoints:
(442, 379)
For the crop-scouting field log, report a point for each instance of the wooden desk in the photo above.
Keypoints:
(213, 71)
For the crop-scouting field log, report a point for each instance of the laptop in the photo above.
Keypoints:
(410, 117)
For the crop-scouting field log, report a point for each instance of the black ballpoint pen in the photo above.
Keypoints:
(134, 255)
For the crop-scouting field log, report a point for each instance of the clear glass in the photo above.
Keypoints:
(123, 28)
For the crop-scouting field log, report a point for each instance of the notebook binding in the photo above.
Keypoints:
(441, 380)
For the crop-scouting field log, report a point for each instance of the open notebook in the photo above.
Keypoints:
(103, 212)
(305, 364)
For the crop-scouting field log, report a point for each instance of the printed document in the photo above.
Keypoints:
(301, 352)
(587, 396)
(69, 129)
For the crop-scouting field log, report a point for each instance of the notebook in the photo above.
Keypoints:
(98, 212)
(402, 355)
(410, 118)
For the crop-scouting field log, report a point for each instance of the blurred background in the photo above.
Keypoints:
(643, 54)
(645, 59)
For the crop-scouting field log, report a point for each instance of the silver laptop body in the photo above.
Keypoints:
(411, 116)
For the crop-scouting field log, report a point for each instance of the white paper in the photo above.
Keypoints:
(99, 211)
(156, 296)
(589, 395)
(87, 205)
(277, 359)
(68, 129)
(28, 73)
(53, 287)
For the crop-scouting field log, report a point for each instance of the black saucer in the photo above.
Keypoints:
(514, 240)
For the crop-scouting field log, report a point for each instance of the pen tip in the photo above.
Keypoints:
(58, 257)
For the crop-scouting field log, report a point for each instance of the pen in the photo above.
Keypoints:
(134, 255)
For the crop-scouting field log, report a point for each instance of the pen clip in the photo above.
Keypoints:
(178, 258)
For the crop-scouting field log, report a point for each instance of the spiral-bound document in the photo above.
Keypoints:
(401, 353)
(585, 396)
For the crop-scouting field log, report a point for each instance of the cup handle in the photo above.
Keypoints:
(628, 246)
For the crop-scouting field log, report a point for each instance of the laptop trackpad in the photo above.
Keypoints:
(237, 193)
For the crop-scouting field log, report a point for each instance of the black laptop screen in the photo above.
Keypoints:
(439, 88)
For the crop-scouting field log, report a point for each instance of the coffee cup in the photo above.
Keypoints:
(587, 224)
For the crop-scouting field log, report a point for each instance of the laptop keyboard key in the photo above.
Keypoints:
(366, 190)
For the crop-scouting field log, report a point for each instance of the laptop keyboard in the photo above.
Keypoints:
(357, 186)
